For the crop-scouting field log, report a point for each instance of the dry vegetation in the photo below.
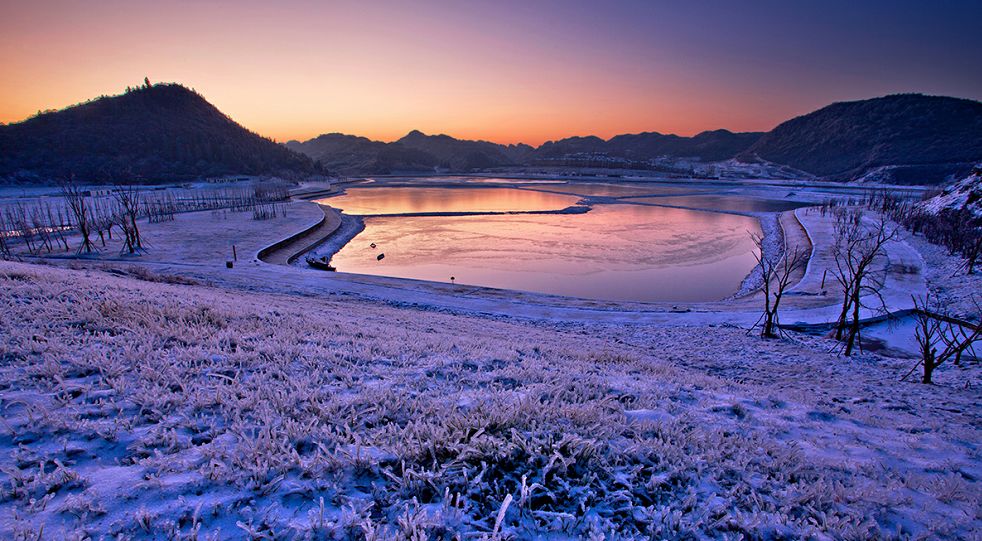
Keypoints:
(134, 409)
(43, 226)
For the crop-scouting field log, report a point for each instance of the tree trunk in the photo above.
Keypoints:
(928, 370)
(854, 326)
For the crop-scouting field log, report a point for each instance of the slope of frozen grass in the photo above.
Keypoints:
(140, 409)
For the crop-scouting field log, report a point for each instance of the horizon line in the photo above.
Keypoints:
(385, 140)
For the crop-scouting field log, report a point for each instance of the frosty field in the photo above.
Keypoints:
(139, 409)
(490, 271)
(165, 396)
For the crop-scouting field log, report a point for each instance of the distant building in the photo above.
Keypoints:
(227, 179)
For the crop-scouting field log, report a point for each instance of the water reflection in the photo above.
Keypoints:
(419, 200)
(614, 252)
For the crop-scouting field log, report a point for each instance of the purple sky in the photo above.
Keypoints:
(505, 71)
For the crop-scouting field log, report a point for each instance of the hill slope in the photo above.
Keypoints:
(964, 195)
(916, 138)
(134, 418)
(160, 132)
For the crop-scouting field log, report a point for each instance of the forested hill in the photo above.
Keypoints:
(906, 137)
(151, 133)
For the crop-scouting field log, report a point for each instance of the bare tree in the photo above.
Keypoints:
(957, 229)
(41, 229)
(936, 328)
(77, 201)
(128, 209)
(857, 245)
(972, 248)
(776, 274)
(56, 221)
(5, 231)
(21, 224)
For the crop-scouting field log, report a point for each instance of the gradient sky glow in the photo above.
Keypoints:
(505, 71)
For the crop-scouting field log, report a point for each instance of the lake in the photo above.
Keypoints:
(622, 252)
(362, 201)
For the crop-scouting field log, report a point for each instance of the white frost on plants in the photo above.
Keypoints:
(138, 409)
(964, 194)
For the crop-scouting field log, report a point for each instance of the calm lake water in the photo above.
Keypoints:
(363, 201)
(614, 252)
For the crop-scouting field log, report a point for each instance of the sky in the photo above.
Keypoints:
(505, 71)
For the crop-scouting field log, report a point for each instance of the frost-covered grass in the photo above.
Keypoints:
(134, 408)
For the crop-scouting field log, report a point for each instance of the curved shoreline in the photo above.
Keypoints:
(348, 228)
(326, 240)
(288, 250)
(807, 302)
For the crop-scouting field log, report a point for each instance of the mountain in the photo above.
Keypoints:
(590, 144)
(152, 133)
(714, 145)
(707, 146)
(462, 154)
(416, 151)
(351, 154)
(906, 138)
(168, 132)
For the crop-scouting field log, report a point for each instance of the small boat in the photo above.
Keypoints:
(372, 245)
(380, 257)
(321, 263)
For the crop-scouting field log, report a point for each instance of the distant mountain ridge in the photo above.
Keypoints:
(713, 145)
(352, 154)
(151, 133)
(168, 132)
(902, 138)
(414, 152)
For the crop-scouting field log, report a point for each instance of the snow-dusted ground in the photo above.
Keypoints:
(289, 402)
(948, 280)
(198, 245)
(138, 409)
(965, 194)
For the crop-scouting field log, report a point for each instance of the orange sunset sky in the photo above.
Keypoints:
(501, 71)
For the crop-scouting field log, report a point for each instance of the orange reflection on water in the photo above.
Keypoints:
(614, 252)
(363, 201)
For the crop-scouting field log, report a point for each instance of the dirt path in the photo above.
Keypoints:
(289, 249)
(795, 237)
